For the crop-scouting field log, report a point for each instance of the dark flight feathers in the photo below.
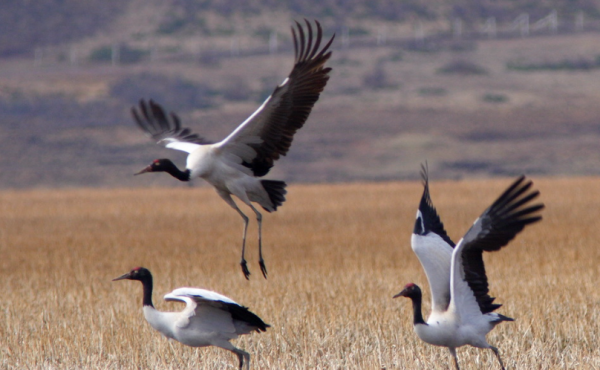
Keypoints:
(242, 313)
(153, 120)
(497, 226)
(286, 110)
(238, 312)
(298, 96)
(430, 218)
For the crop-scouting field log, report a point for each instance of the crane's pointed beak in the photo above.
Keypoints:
(122, 277)
(147, 169)
(401, 294)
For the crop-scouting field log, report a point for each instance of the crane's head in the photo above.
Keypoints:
(165, 165)
(410, 291)
(158, 165)
(138, 273)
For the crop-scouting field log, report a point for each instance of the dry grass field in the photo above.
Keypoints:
(336, 254)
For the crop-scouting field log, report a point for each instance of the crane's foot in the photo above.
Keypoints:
(245, 269)
(263, 268)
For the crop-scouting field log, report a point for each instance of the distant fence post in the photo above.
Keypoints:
(553, 19)
(73, 57)
(115, 54)
(153, 52)
(550, 21)
(381, 37)
(234, 47)
(197, 52)
(521, 23)
(273, 43)
(489, 27)
(579, 21)
(38, 55)
(419, 33)
(457, 28)
(345, 38)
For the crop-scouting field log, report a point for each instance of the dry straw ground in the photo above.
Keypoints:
(336, 254)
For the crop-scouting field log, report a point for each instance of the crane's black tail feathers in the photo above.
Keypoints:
(276, 191)
(500, 318)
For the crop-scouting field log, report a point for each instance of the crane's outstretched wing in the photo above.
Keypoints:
(497, 226)
(433, 247)
(209, 306)
(200, 295)
(268, 133)
(165, 129)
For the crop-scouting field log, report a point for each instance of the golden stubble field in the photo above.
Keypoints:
(336, 254)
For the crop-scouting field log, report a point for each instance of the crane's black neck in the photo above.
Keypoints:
(177, 173)
(147, 283)
(417, 315)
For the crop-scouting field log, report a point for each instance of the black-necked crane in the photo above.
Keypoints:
(462, 310)
(209, 318)
(234, 165)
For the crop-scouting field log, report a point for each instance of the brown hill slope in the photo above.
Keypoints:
(385, 111)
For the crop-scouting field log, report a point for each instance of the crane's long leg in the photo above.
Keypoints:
(453, 353)
(498, 356)
(227, 198)
(241, 356)
(261, 261)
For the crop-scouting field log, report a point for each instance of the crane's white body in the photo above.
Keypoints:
(461, 308)
(455, 319)
(234, 165)
(222, 168)
(202, 323)
(444, 329)
(208, 319)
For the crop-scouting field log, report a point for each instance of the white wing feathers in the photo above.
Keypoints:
(463, 301)
(207, 306)
(435, 256)
(200, 295)
(165, 128)
(433, 247)
(249, 131)
(179, 145)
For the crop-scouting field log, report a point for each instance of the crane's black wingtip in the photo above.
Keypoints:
(308, 24)
(425, 173)
(428, 219)
(134, 113)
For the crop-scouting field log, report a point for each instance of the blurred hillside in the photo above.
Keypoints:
(489, 88)
(25, 25)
